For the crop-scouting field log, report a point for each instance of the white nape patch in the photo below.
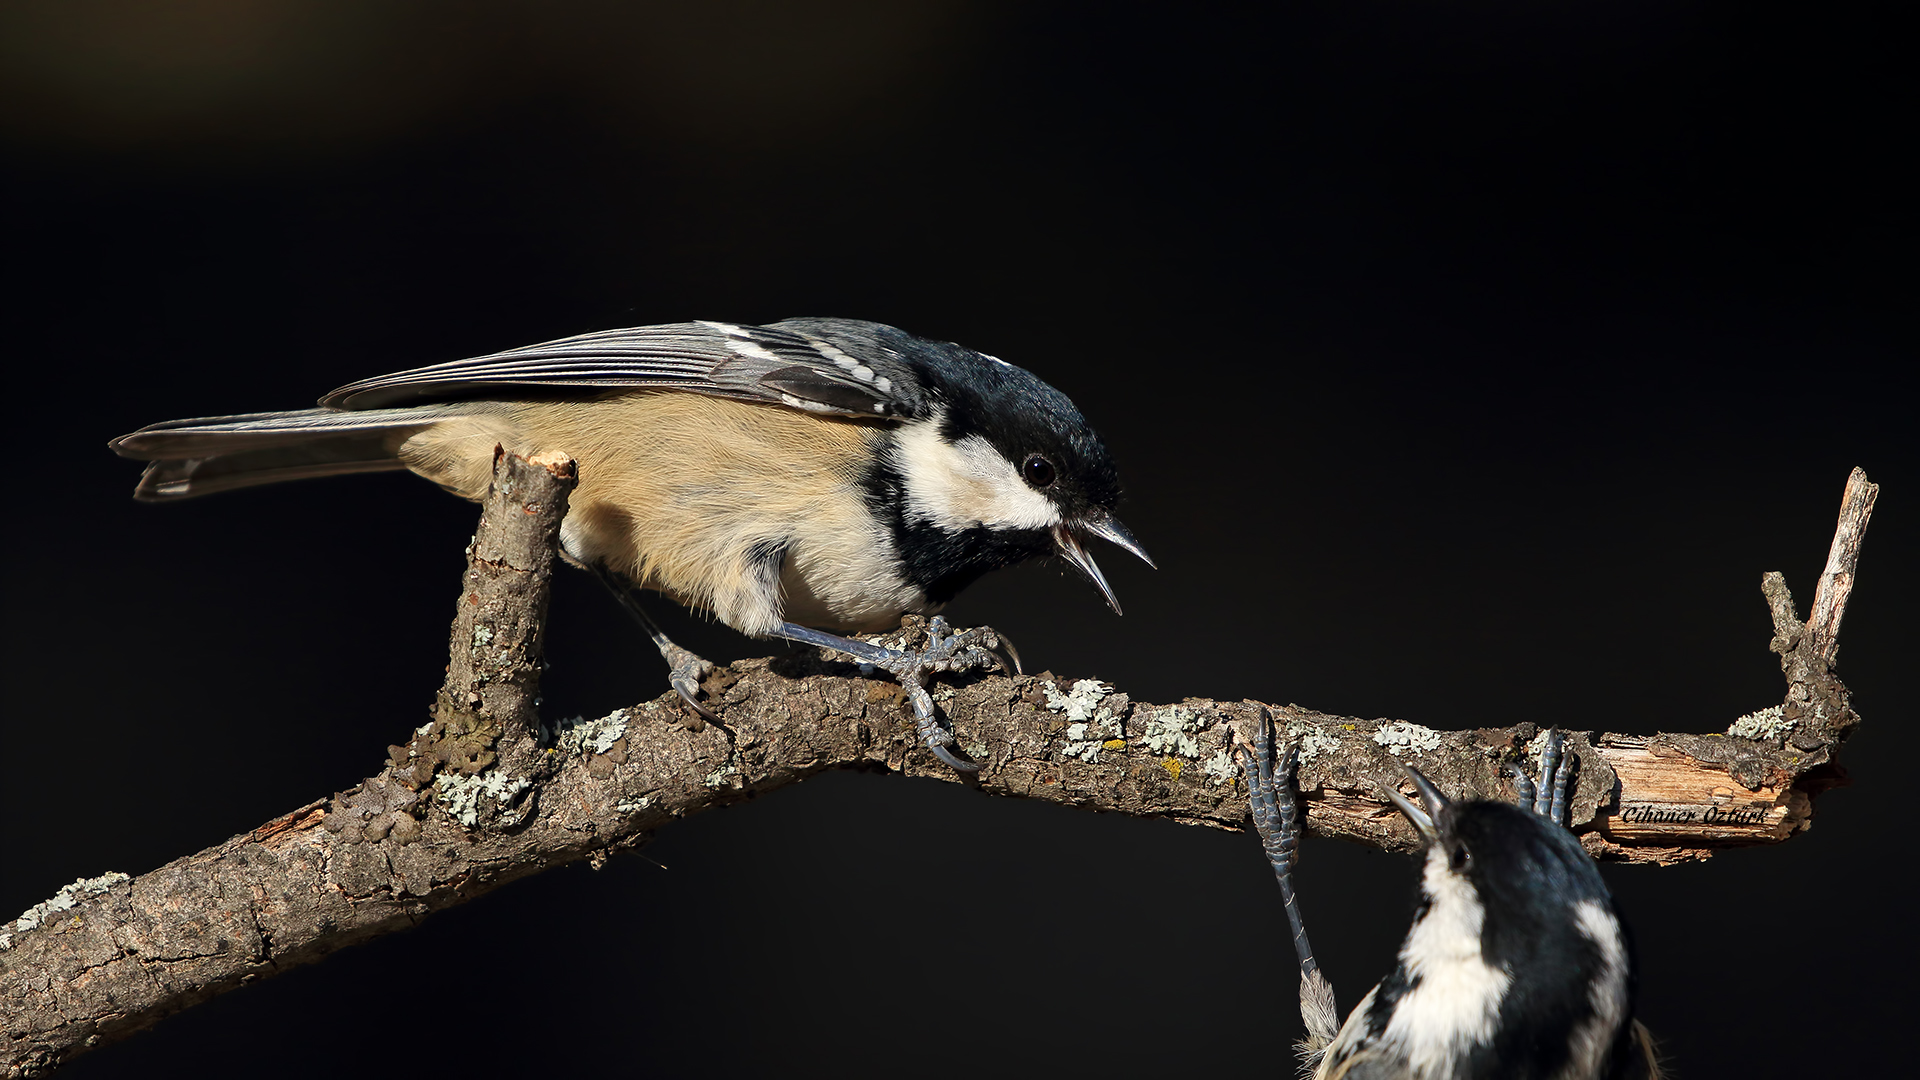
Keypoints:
(997, 360)
(1608, 992)
(1457, 1001)
(962, 484)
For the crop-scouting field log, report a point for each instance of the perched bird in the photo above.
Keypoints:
(803, 480)
(1517, 966)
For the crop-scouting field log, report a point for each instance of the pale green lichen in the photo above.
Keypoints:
(1311, 740)
(1221, 768)
(1078, 703)
(633, 806)
(460, 795)
(718, 777)
(1093, 726)
(1401, 736)
(1173, 730)
(65, 900)
(482, 637)
(1085, 741)
(1768, 723)
(593, 736)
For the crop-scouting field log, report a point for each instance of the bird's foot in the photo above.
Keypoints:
(685, 671)
(946, 650)
(1270, 792)
(1276, 817)
(1548, 798)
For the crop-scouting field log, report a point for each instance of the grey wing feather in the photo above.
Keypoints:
(259, 431)
(223, 453)
(802, 367)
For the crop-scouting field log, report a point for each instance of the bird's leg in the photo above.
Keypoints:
(946, 650)
(1549, 797)
(1276, 817)
(685, 669)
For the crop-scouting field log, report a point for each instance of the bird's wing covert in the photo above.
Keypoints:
(806, 369)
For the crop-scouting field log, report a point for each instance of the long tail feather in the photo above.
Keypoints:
(221, 453)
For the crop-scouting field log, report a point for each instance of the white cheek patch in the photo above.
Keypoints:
(965, 484)
(1457, 1001)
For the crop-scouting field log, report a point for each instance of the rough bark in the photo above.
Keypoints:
(476, 799)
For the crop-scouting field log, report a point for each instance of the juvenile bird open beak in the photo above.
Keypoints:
(1067, 537)
(1422, 819)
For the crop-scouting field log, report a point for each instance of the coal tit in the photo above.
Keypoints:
(802, 480)
(1517, 965)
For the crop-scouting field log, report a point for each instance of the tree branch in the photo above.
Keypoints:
(475, 800)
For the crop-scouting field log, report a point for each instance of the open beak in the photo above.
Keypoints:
(1068, 537)
(1422, 818)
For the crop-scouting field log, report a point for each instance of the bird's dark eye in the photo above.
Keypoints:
(1037, 471)
(1459, 857)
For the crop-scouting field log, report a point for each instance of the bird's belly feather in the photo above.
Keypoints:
(753, 512)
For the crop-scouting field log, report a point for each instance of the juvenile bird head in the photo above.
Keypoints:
(1522, 867)
(1515, 917)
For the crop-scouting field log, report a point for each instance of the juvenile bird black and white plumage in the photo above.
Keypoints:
(806, 479)
(1517, 965)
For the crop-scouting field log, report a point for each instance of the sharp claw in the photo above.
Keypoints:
(688, 669)
(936, 738)
(690, 693)
(1522, 786)
(1001, 659)
(946, 755)
(1007, 644)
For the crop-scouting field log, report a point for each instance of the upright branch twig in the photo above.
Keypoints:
(1817, 701)
(1836, 581)
(474, 800)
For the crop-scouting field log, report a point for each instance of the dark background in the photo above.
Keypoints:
(1465, 365)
